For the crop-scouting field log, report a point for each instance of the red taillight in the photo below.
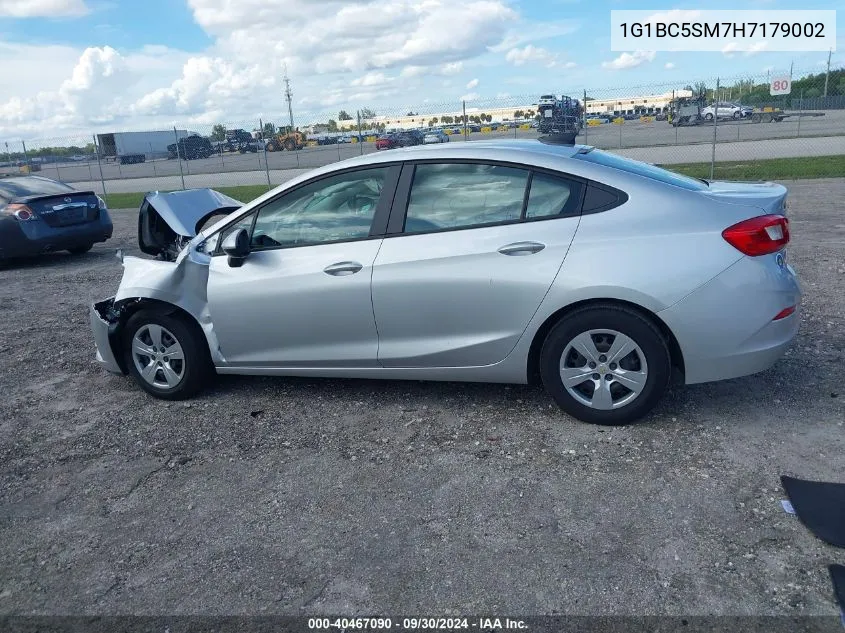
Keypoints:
(759, 236)
(784, 313)
(19, 211)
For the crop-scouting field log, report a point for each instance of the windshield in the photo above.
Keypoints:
(642, 169)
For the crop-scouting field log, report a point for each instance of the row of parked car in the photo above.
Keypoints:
(411, 137)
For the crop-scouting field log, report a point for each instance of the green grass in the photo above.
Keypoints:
(769, 169)
(244, 193)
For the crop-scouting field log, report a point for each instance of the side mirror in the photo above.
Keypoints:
(236, 246)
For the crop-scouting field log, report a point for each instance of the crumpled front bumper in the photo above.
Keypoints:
(103, 331)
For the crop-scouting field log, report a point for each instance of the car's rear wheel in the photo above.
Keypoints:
(80, 250)
(166, 356)
(605, 365)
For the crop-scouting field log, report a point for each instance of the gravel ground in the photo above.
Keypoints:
(305, 496)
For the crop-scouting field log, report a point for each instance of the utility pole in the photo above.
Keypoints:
(289, 98)
(827, 74)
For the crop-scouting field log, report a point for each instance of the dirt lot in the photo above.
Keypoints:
(350, 497)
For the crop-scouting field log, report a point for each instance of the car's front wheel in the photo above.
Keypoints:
(708, 117)
(605, 365)
(166, 356)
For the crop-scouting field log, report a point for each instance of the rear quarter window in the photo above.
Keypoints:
(18, 187)
(659, 174)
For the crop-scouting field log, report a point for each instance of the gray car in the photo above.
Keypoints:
(501, 261)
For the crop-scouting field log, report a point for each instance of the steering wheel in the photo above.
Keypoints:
(361, 204)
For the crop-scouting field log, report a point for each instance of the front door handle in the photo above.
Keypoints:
(341, 269)
(522, 248)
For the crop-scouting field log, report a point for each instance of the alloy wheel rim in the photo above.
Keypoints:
(158, 356)
(603, 369)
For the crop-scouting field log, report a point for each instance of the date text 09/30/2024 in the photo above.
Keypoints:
(480, 624)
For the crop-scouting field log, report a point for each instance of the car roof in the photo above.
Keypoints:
(517, 151)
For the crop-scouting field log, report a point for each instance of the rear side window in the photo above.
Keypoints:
(599, 157)
(460, 195)
(17, 187)
(552, 196)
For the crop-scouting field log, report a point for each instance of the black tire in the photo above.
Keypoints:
(196, 369)
(737, 115)
(271, 147)
(80, 250)
(708, 117)
(624, 321)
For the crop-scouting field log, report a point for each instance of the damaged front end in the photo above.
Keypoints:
(106, 322)
(168, 221)
(174, 282)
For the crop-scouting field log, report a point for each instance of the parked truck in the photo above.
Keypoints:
(561, 118)
(136, 147)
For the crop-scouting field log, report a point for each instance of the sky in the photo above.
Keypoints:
(73, 67)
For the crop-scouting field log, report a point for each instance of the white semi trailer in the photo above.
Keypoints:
(136, 147)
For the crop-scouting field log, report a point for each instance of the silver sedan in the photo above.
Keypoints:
(501, 261)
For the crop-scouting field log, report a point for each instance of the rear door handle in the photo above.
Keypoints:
(522, 248)
(341, 269)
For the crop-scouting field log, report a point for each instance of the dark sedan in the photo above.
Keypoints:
(39, 215)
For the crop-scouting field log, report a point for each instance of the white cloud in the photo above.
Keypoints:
(528, 31)
(669, 66)
(531, 54)
(629, 60)
(42, 8)
(205, 81)
(339, 53)
(91, 94)
(412, 71)
(471, 96)
(371, 79)
(347, 35)
(452, 68)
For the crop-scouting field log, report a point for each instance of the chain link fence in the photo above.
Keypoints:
(736, 131)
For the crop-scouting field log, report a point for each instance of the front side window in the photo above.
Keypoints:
(332, 209)
(458, 195)
(215, 243)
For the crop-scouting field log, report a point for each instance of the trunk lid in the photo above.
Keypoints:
(768, 196)
(67, 209)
